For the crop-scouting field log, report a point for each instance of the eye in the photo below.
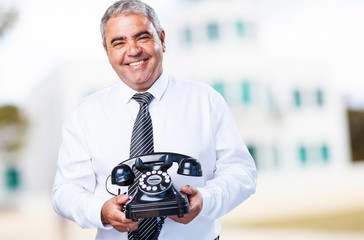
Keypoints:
(144, 38)
(118, 44)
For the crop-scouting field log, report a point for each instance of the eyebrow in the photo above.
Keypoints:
(142, 33)
(135, 36)
(117, 39)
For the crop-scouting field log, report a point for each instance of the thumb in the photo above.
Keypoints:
(122, 199)
(189, 190)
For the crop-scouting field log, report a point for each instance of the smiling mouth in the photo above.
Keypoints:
(136, 63)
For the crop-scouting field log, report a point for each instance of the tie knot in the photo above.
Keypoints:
(143, 98)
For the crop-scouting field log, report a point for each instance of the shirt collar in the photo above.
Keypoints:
(157, 89)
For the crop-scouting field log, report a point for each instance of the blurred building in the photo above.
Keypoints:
(289, 114)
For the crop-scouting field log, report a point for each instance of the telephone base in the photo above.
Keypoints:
(138, 210)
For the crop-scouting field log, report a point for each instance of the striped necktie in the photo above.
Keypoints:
(142, 143)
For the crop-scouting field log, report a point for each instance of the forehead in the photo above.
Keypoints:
(130, 24)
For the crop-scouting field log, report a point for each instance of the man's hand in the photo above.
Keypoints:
(111, 214)
(195, 200)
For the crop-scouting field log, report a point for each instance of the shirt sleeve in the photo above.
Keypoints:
(235, 175)
(73, 190)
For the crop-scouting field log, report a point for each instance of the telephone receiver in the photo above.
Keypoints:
(155, 195)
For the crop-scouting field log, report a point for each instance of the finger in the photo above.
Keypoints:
(127, 227)
(133, 226)
(184, 220)
(122, 199)
(176, 218)
(122, 222)
(189, 190)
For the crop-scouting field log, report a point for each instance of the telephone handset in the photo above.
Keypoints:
(155, 195)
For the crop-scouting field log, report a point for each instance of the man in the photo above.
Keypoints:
(187, 117)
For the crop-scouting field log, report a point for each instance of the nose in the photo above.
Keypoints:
(133, 49)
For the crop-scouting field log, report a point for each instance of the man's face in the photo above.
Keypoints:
(134, 49)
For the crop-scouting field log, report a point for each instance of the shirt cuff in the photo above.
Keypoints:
(206, 202)
(94, 212)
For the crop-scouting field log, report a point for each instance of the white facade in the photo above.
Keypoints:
(289, 114)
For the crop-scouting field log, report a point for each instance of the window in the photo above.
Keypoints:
(314, 154)
(246, 92)
(319, 97)
(297, 98)
(213, 31)
(188, 36)
(12, 178)
(325, 153)
(240, 28)
(311, 98)
(302, 154)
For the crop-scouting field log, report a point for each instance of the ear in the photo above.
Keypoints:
(162, 37)
(105, 48)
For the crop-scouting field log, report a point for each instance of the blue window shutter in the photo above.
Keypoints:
(240, 28)
(188, 36)
(319, 97)
(246, 92)
(325, 153)
(297, 98)
(213, 31)
(303, 154)
(219, 87)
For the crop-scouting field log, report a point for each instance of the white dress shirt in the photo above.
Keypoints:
(188, 118)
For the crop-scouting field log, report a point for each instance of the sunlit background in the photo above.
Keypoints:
(292, 73)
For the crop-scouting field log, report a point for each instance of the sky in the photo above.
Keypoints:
(49, 32)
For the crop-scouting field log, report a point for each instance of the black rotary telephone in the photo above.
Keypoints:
(155, 195)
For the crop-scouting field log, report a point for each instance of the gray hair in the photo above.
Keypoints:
(127, 7)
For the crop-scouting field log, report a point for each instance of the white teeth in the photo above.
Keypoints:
(136, 63)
